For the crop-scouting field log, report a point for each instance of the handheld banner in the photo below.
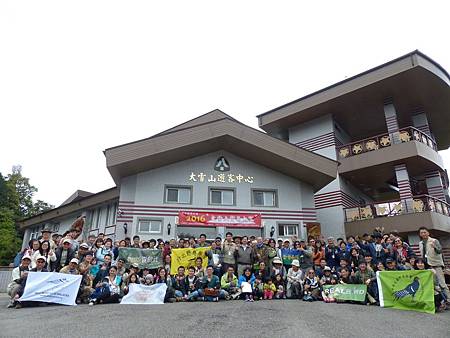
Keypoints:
(187, 257)
(407, 290)
(354, 292)
(145, 294)
(145, 258)
(51, 287)
(288, 255)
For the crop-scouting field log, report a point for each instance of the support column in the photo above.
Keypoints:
(390, 115)
(404, 186)
(435, 185)
(420, 121)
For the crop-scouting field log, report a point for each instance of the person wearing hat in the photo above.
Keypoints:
(18, 275)
(72, 268)
(64, 255)
(367, 276)
(328, 279)
(41, 261)
(278, 269)
(84, 247)
(47, 236)
(294, 280)
(391, 265)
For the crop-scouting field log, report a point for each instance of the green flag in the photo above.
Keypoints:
(145, 258)
(407, 290)
(355, 292)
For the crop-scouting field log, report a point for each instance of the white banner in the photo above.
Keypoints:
(51, 287)
(145, 294)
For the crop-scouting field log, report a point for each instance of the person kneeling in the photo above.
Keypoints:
(210, 287)
(108, 290)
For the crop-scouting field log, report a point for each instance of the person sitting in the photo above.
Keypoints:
(229, 283)
(312, 287)
(64, 255)
(269, 289)
(210, 286)
(367, 277)
(148, 280)
(279, 284)
(108, 290)
(278, 269)
(192, 283)
(391, 265)
(132, 279)
(179, 284)
(72, 268)
(320, 267)
(439, 296)
(345, 277)
(258, 288)
(327, 279)
(247, 289)
(294, 280)
(199, 270)
(18, 275)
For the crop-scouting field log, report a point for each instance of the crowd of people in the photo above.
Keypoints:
(247, 268)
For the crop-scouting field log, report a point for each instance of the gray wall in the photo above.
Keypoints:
(146, 189)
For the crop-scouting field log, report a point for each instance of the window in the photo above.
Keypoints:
(264, 198)
(180, 195)
(108, 210)
(221, 196)
(149, 226)
(287, 229)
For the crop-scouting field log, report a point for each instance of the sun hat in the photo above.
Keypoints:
(277, 260)
(296, 263)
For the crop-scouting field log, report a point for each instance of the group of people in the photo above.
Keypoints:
(248, 268)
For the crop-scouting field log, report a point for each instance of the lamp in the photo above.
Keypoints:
(125, 228)
(272, 231)
(169, 226)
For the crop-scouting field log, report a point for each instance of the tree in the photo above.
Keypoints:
(16, 203)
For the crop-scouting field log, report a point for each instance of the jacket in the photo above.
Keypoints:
(57, 264)
(242, 279)
(214, 283)
(228, 251)
(332, 256)
(225, 282)
(244, 257)
(432, 255)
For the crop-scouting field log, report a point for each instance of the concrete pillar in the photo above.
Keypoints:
(404, 186)
(435, 185)
(390, 115)
(420, 121)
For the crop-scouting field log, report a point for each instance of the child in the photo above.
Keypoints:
(279, 284)
(269, 289)
(148, 280)
(258, 288)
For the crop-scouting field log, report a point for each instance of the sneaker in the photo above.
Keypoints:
(10, 305)
(91, 303)
(252, 300)
(171, 300)
(18, 306)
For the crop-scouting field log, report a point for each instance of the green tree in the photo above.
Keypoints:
(16, 203)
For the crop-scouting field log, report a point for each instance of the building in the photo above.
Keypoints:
(385, 127)
(209, 175)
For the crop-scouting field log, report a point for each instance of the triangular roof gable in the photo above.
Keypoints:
(225, 133)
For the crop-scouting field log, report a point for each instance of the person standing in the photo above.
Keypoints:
(244, 256)
(431, 253)
(228, 252)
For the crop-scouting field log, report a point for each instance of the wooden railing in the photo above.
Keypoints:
(383, 141)
(420, 203)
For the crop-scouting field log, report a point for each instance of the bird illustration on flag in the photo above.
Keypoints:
(410, 290)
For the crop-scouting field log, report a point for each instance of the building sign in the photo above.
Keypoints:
(230, 220)
(222, 164)
(220, 178)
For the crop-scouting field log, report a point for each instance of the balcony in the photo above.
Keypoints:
(400, 215)
(383, 141)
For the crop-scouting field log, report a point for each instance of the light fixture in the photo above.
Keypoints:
(125, 228)
(169, 226)
(272, 231)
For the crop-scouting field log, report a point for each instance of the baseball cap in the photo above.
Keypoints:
(84, 245)
(74, 260)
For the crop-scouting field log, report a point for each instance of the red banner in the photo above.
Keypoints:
(230, 220)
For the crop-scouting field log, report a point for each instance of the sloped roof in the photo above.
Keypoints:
(413, 81)
(218, 131)
(76, 196)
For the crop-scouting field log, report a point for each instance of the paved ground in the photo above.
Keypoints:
(289, 318)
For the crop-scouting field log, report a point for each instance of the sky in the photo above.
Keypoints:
(77, 77)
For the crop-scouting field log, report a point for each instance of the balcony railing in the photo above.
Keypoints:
(383, 141)
(419, 203)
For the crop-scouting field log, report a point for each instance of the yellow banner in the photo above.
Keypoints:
(186, 257)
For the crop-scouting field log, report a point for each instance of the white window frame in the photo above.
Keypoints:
(286, 227)
(177, 187)
(210, 191)
(275, 197)
(150, 225)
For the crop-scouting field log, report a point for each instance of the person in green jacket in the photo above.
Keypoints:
(368, 277)
(229, 284)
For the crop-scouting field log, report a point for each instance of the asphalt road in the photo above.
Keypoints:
(286, 318)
